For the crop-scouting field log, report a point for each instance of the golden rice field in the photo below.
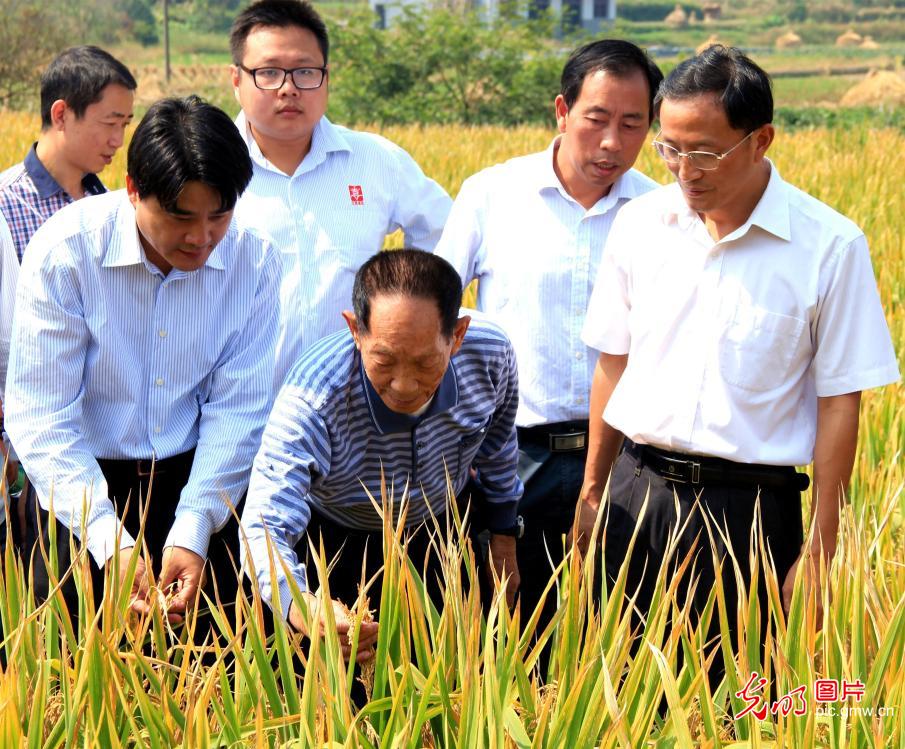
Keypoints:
(452, 677)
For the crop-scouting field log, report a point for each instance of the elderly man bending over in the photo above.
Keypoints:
(414, 391)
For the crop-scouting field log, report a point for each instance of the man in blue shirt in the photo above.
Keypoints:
(142, 348)
(414, 394)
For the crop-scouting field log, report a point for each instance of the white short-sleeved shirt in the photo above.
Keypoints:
(730, 343)
(332, 214)
(536, 252)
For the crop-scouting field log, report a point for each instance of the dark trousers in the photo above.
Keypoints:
(552, 484)
(125, 482)
(731, 507)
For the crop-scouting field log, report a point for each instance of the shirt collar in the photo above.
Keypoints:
(47, 186)
(387, 421)
(124, 247)
(624, 188)
(771, 212)
(325, 139)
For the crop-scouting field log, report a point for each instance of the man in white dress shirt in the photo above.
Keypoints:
(325, 194)
(738, 320)
(143, 348)
(532, 231)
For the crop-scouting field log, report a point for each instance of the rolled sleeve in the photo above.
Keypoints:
(461, 244)
(421, 207)
(606, 326)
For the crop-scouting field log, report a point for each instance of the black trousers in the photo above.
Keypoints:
(733, 509)
(124, 483)
(552, 484)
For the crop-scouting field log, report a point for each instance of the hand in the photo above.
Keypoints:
(183, 572)
(810, 582)
(587, 510)
(505, 562)
(367, 633)
(138, 597)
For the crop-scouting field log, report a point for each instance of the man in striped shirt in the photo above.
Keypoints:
(325, 194)
(86, 106)
(143, 348)
(413, 393)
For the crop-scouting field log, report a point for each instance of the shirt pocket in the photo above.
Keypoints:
(469, 445)
(759, 348)
(352, 237)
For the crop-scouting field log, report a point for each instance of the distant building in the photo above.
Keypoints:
(588, 14)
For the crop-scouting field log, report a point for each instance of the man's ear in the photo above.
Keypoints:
(459, 333)
(763, 139)
(57, 114)
(132, 191)
(352, 322)
(559, 106)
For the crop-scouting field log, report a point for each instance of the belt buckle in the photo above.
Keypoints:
(144, 468)
(673, 474)
(568, 441)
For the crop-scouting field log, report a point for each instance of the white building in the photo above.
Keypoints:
(589, 14)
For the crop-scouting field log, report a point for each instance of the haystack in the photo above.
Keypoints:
(869, 43)
(709, 43)
(849, 39)
(677, 19)
(788, 40)
(878, 88)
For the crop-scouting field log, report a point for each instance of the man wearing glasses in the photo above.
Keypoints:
(738, 320)
(325, 194)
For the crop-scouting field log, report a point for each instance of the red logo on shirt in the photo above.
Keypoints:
(356, 194)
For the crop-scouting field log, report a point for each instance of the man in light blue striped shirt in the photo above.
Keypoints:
(145, 330)
(414, 391)
(327, 195)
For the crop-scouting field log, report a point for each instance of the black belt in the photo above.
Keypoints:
(681, 468)
(143, 466)
(561, 437)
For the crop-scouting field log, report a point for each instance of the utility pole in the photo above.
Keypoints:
(166, 41)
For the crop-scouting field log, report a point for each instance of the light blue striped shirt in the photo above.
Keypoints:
(112, 359)
(331, 215)
(536, 251)
(330, 435)
(9, 273)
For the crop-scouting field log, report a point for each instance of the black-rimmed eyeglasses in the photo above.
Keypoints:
(270, 79)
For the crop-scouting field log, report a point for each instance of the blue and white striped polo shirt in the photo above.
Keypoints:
(329, 436)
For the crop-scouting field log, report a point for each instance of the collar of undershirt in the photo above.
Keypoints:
(387, 421)
(47, 186)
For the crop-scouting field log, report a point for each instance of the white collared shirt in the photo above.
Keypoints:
(332, 214)
(730, 343)
(536, 251)
(9, 273)
(112, 359)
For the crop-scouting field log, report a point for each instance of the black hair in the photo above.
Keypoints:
(279, 14)
(79, 76)
(743, 88)
(616, 56)
(412, 273)
(188, 140)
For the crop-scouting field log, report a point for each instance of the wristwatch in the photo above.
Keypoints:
(516, 531)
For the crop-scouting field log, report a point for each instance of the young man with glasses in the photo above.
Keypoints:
(325, 194)
(738, 320)
(532, 231)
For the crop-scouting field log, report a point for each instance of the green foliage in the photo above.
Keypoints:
(140, 23)
(443, 66)
(795, 118)
(213, 15)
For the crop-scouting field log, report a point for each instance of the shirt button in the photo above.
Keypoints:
(156, 430)
(162, 333)
(419, 445)
(158, 381)
(579, 355)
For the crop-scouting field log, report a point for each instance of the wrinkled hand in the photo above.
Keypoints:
(138, 596)
(587, 509)
(505, 562)
(810, 582)
(367, 633)
(182, 571)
